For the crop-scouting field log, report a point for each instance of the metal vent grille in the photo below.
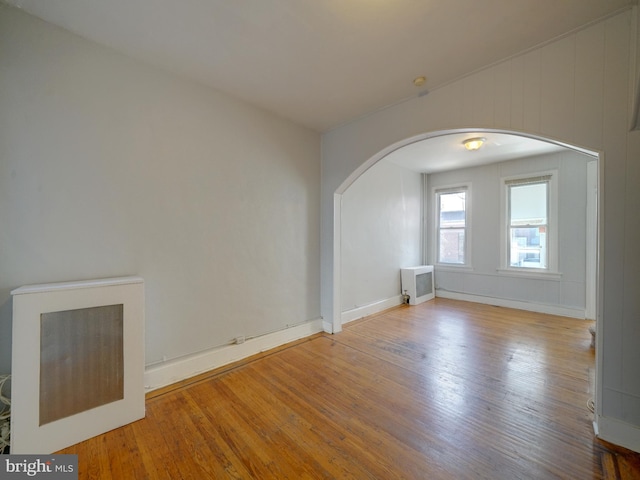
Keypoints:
(424, 283)
(81, 360)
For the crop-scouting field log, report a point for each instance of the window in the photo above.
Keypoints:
(528, 223)
(452, 238)
(530, 237)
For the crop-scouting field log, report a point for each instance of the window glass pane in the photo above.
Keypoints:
(452, 209)
(528, 247)
(451, 245)
(528, 204)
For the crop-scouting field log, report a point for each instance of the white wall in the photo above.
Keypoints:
(381, 232)
(110, 167)
(578, 89)
(483, 278)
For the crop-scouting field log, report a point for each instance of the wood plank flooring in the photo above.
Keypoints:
(442, 390)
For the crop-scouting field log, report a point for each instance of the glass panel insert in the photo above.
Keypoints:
(452, 222)
(528, 224)
(452, 245)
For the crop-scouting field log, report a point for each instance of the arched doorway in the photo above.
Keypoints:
(413, 141)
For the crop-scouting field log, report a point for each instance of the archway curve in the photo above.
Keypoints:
(336, 325)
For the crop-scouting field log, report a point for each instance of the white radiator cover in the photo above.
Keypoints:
(97, 360)
(418, 283)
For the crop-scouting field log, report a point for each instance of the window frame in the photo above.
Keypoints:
(448, 189)
(550, 177)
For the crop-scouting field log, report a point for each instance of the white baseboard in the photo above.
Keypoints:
(157, 376)
(370, 309)
(617, 432)
(502, 302)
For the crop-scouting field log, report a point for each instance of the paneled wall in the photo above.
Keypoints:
(482, 277)
(579, 89)
(381, 232)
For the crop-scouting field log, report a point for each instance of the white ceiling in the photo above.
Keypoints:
(321, 63)
(447, 152)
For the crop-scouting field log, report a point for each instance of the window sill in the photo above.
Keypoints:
(530, 273)
(450, 267)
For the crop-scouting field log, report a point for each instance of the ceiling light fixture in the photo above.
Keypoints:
(474, 143)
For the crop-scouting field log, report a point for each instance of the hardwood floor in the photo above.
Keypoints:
(441, 390)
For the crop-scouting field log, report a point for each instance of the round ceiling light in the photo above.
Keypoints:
(474, 143)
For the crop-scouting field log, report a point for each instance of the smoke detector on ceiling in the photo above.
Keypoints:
(419, 81)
